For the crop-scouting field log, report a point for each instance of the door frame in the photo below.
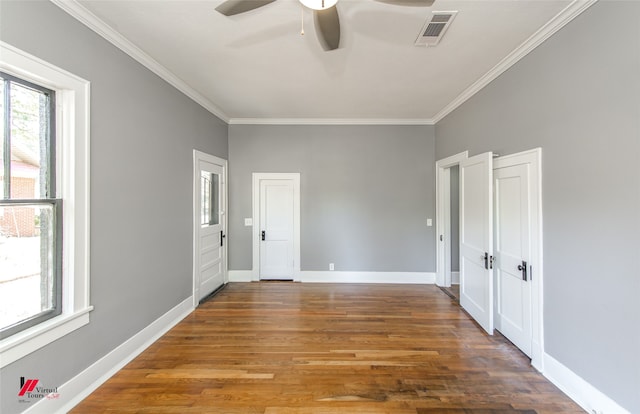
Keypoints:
(199, 156)
(534, 159)
(256, 178)
(443, 216)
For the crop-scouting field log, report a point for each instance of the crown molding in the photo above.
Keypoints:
(328, 121)
(551, 27)
(84, 16)
(80, 13)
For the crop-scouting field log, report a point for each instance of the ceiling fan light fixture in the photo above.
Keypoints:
(319, 4)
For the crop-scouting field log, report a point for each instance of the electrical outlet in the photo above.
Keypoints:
(331, 266)
(429, 222)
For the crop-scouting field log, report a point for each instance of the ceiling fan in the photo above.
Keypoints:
(325, 13)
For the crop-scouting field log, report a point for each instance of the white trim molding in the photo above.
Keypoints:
(329, 121)
(421, 278)
(84, 16)
(558, 22)
(240, 276)
(72, 392)
(584, 394)
(322, 276)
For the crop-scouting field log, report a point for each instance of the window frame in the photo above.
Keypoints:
(72, 183)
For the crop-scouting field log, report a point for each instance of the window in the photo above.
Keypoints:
(30, 226)
(209, 205)
(44, 195)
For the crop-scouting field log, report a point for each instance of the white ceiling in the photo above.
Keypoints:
(256, 67)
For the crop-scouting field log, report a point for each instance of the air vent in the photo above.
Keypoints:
(435, 27)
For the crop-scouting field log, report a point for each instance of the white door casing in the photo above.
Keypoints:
(518, 237)
(276, 212)
(443, 219)
(476, 238)
(209, 224)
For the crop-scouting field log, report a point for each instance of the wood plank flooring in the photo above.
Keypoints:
(291, 348)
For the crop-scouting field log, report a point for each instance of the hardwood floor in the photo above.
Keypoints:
(291, 348)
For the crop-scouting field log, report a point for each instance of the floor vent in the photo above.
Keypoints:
(435, 27)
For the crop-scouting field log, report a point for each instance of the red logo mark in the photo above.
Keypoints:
(27, 386)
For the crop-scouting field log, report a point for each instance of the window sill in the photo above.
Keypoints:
(30, 340)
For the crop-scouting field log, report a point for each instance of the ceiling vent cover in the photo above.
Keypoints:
(435, 27)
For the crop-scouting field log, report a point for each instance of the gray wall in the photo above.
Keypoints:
(366, 193)
(454, 191)
(578, 97)
(143, 132)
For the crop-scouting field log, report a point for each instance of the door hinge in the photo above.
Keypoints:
(441, 237)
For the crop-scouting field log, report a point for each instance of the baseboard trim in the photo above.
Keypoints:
(455, 278)
(584, 394)
(240, 275)
(313, 276)
(79, 387)
(367, 277)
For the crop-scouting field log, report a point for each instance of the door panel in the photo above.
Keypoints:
(211, 230)
(476, 239)
(512, 247)
(276, 221)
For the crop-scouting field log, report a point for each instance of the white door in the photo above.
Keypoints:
(476, 239)
(513, 246)
(276, 229)
(210, 250)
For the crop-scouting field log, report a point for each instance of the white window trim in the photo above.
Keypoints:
(72, 161)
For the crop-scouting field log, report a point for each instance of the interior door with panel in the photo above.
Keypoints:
(277, 229)
(211, 235)
(513, 254)
(476, 238)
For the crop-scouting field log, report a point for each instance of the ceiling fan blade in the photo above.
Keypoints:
(233, 7)
(412, 3)
(327, 23)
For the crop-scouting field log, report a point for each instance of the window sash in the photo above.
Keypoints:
(56, 308)
(50, 159)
